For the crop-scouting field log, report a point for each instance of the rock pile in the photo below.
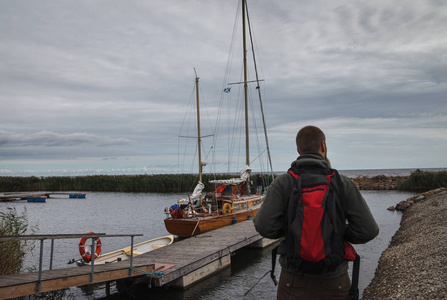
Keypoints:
(414, 265)
(403, 205)
(380, 182)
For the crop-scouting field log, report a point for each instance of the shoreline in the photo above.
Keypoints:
(379, 182)
(413, 266)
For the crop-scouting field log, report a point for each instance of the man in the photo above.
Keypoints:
(271, 220)
(259, 184)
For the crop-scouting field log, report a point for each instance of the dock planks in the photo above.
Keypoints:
(193, 253)
(17, 285)
(175, 261)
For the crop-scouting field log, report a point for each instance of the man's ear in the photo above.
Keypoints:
(323, 148)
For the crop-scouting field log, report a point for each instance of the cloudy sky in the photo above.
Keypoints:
(101, 87)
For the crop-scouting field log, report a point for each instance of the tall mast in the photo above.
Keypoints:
(247, 138)
(260, 99)
(199, 146)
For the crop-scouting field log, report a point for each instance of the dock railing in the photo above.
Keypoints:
(52, 237)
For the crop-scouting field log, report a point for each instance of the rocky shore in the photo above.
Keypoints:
(415, 266)
(380, 182)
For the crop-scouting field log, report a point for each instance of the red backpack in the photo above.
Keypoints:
(313, 243)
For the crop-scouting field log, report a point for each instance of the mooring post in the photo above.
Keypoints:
(131, 255)
(93, 259)
(51, 254)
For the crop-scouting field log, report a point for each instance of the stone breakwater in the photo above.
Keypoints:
(414, 266)
(403, 205)
(380, 182)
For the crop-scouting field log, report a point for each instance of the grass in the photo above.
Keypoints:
(13, 253)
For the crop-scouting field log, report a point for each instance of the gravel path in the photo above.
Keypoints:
(415, 265)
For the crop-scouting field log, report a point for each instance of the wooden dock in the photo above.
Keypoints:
(200, 256)
(25, 195)
(181, 264)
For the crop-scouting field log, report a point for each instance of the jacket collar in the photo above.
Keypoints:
(310, 160)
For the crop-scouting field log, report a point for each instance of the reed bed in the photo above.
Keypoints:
(421, 181)
(159, 183)
(13, 253)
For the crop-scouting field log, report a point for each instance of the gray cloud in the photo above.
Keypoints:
(103, 86)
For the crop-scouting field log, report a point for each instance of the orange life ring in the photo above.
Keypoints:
(226, 209)
(86, 255)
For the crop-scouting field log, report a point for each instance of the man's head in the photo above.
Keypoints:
(311, 139)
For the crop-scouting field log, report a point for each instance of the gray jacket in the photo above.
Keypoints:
(270, 220)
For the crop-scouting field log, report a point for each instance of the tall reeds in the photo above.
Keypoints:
(424, 181)
(158, 183)
(12, 253)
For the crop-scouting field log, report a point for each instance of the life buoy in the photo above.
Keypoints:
(226, 208)
(86, 255)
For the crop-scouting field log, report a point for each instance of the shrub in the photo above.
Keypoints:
(12, 253)
(424, 181)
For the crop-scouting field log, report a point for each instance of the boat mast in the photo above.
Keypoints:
(260, 99)
(199, 142)
(247, 138)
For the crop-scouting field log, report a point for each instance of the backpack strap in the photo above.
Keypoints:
(295, 174)
(354, 291)
(272, 272)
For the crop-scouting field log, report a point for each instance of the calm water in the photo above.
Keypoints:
(126, 213)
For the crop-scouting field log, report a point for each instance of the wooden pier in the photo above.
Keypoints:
(178, 265)
(25, 195)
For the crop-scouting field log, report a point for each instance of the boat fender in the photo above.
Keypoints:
(226, 209)
(86, 255)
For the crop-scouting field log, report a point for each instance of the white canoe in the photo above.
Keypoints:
(138, 249)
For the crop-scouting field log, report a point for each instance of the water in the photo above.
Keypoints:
(126, 213)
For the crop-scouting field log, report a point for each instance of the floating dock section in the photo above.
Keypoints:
(200, 256)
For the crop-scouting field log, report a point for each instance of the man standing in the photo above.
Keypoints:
(259, 184)
(355, 222)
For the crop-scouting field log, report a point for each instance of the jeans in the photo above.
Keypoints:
(293, 286)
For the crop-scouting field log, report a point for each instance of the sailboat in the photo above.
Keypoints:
(231, 201)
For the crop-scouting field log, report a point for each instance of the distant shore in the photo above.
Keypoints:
(413, 266)
(380, 182)
(167, 183)
(418, 180)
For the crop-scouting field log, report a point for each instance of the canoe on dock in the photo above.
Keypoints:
(124, 253)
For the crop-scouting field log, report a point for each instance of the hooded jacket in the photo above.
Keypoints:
(360, 226)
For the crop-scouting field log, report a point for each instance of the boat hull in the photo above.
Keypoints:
(186, 227)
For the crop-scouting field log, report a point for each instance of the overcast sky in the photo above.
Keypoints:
(101, 87)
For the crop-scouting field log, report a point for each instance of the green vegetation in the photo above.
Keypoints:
(13, 253)
(424, 181)
(161, 183)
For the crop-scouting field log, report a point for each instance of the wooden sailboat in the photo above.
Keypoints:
(231, 201)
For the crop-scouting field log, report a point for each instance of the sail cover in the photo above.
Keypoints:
(197, 191)
(245, 175)
(195, 194)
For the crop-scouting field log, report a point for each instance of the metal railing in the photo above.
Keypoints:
(52, 237)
